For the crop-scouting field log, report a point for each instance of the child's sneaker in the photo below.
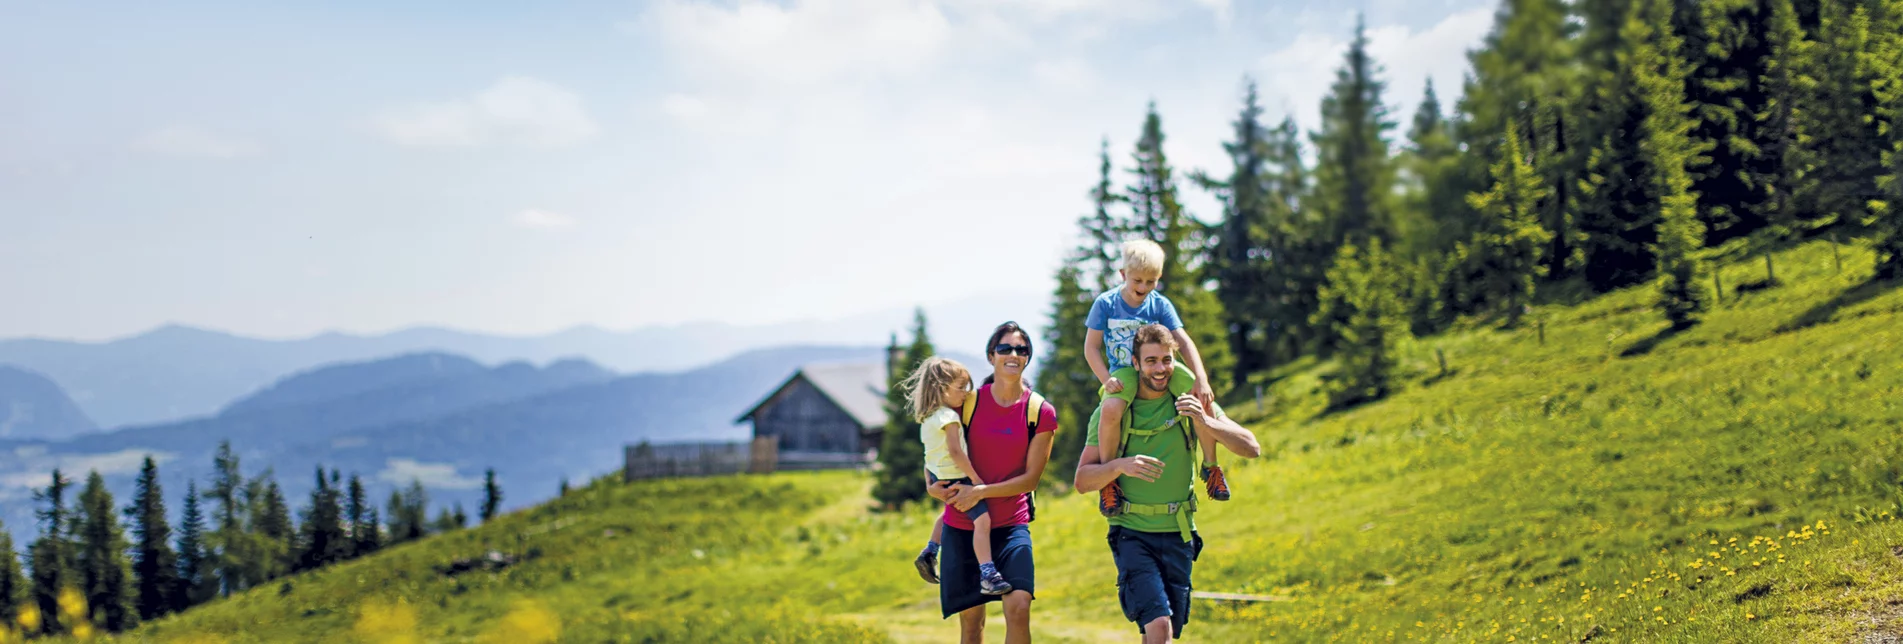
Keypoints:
(990, 582)
(1215, 483)
(1110, 500)
(927, 565)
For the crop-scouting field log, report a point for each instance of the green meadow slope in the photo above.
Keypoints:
(1736, 482)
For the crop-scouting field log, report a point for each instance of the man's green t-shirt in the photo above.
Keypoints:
(1179, 467)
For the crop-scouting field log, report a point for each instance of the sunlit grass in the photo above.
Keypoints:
(1736, 482)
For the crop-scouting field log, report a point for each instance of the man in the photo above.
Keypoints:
(1153, 540)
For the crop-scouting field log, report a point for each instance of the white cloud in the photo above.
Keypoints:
(542, 219)
(515, 110)
(195, 142)
(816, 41)
(400, 471)
(1068, 73)
(1296, 77)
(35, 466)
(1220, 8)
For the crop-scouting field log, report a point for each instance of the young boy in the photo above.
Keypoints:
(1114, 319)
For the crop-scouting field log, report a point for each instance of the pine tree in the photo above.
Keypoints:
(154, 563)
(396, 519)
(408, 513)
(1354, 176)
(1783, 125)
(1658, 74)
(1526, 73)
(1103, 230)
(105, 574)
(1296, 248)
(1845, 141)
(14, 590)
(271, 528)
(901, 480)
(50, 557)
(369, 538)
(1237, 260)
(1616, 214)
(1508, 246)
(322, 539)
(461, 518)
(1726, 45)
(1885, 67)
(1433, 179)
(195, 583)
(1157, 215)
(1364, 291)
(491, 495)
(356, 516)
(228, 540)
(1063, 375)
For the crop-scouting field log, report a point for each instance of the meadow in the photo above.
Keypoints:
(1739, 481)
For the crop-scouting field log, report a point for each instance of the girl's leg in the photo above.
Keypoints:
(981, 538)
(938, 530)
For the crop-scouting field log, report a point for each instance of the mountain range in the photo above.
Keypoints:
(177, 372)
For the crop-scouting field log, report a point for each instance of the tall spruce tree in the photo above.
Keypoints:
(356, 514)
(1526, 73)
(1158, 215)
(228, 540)
(195, 565)
(15, 592)
(1103, 229)
(409, 513)
(50, 557)
(491, 495)
(1433, 181)
(902, 479)
(1616, 211)
(1364, 292)
(1508, 245)
(105, 573)
(272, 528)
(1845, 140)
(1297, 249)
(1785, 158)
(154, 563)
(322, 539)
(1726, 45)
(1885, 65)
(1237, 260)
(1063, 375)
(1354, 175)
(1659, 76)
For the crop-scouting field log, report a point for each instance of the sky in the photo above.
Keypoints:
(523, 168)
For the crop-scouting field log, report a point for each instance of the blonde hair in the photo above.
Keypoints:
(925, 387)
(1142, 255)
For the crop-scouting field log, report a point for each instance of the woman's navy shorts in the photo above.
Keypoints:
(958, 568)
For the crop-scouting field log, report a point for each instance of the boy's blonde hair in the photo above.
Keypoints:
(1142, 256)
(925, 387)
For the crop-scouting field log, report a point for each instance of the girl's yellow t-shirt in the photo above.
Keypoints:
(938, 458)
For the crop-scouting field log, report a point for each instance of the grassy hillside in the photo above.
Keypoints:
(1736, 482)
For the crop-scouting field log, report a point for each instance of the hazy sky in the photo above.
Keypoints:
(524, 167)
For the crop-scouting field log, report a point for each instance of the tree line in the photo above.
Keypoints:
(1596, 145)
(90, 570)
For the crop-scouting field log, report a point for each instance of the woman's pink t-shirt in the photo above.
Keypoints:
(999, 441)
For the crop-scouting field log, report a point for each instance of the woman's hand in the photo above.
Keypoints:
(940, 490)
(1146, 468)
(969, 496)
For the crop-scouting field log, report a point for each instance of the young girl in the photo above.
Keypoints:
(936, 391)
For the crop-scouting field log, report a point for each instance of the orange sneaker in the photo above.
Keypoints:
(1215, 483)
(1110, 500)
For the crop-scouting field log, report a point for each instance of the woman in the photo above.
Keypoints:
(1006, 453)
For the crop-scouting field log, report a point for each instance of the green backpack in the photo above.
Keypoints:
(1180, 509)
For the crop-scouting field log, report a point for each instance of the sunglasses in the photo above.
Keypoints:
(1009, 349)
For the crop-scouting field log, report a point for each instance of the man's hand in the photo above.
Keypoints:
(1146, 468)
(1113, 385)
(968, 496)
(940, 490)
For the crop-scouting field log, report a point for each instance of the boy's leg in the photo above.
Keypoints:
(1215, 484)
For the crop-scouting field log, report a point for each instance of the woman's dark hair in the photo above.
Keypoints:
(997, 335)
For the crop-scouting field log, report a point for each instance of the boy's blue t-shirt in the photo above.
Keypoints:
(1119, 322)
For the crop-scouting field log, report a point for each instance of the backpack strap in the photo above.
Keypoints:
(1179, 509)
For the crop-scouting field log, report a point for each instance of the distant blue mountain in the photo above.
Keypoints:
(432, 418)
(177, 372)
(32, 406)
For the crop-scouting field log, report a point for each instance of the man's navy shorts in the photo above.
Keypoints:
(958, 588)
(1153, 574)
